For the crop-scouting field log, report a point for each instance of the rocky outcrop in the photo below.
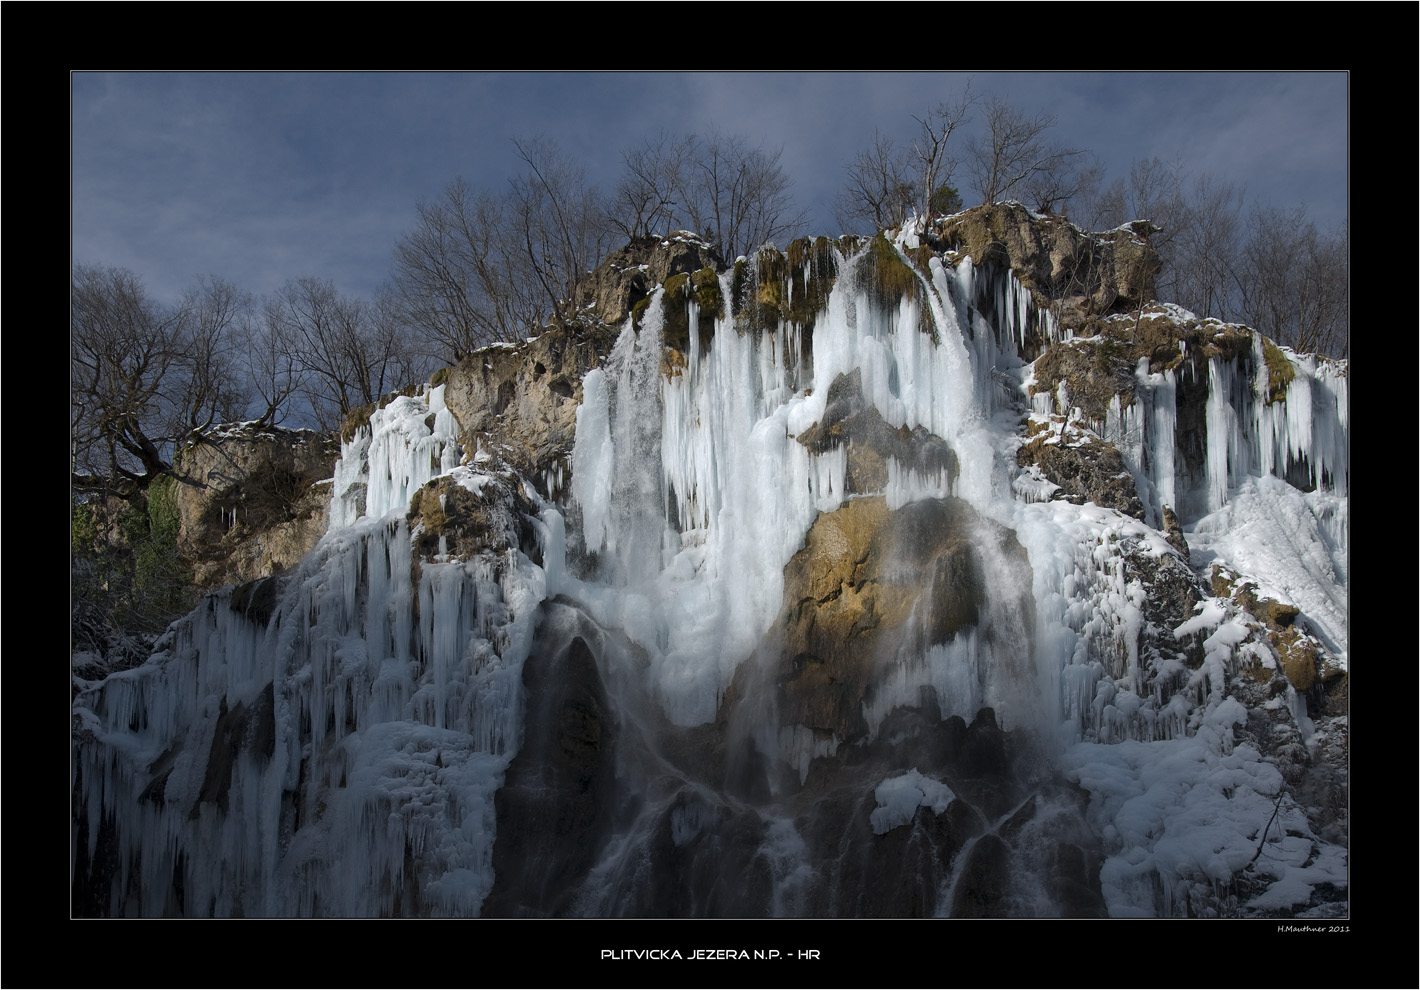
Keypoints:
(1173, 532)
(1082, 467)
(1076, 272)
(1098, 361)
(1174, 593)
(523, 398)
(848, 420)
(627, 276)
(461, 516)
(868, 582)
(251, 500)
(1300, 658)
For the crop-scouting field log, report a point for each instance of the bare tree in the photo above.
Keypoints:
(393, 353)
(647, 199)
(1206, 247)
(1106, 208)
(936, 162)
(1066, 190)
(880, 187)
(735, 196)
(144, 376)
(1325, 322)
(458, 274)
(1294, 280)
(347, 352)
(274, 367)
(558, 222)
(1154, 191)
(1156, 195)
(216, 314)
(1275, 272)
(1014, 153)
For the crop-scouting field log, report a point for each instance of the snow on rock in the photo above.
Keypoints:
(899, 798)
(1182, 819)
(1292, 543)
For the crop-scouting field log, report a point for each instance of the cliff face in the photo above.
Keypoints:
(932, 574)
(1078, 273)
(522, 399)
(252, 502)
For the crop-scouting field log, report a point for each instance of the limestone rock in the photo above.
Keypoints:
(524, 396)
(1300, 656)
(1087, 273)
(449, 520)
(627, 276)
(1173, 532)
(1173, 594)
(1085, 469)
(868, 581)
(849, 420)
(1095, 368)
(251, 501)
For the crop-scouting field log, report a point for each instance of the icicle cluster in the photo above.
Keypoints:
(341, 757)
(697, 493)
(1301, 436)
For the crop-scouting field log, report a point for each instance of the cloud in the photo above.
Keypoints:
(262, 177)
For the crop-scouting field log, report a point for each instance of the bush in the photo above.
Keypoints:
(129, 579)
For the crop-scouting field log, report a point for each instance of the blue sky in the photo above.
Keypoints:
(264, 177)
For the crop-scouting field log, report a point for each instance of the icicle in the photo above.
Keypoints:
(1163, 472)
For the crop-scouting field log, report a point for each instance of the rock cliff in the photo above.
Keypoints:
(252, 501)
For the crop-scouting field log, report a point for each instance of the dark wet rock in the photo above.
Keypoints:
(243, 727)
(553, 812)
(257, 600)
(983, 887)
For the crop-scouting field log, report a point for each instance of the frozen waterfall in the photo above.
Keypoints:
(333, 741)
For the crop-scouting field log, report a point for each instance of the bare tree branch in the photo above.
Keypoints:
(936, 165)
(880, 188)
(1014, 151)
(735, 196)
(144, 376)
(560, 221)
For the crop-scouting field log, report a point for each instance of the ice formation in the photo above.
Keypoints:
(361, 732)
(378, 699)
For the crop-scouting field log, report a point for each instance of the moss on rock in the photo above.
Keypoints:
(889, 278)
(1279, 371)
(701, 287)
